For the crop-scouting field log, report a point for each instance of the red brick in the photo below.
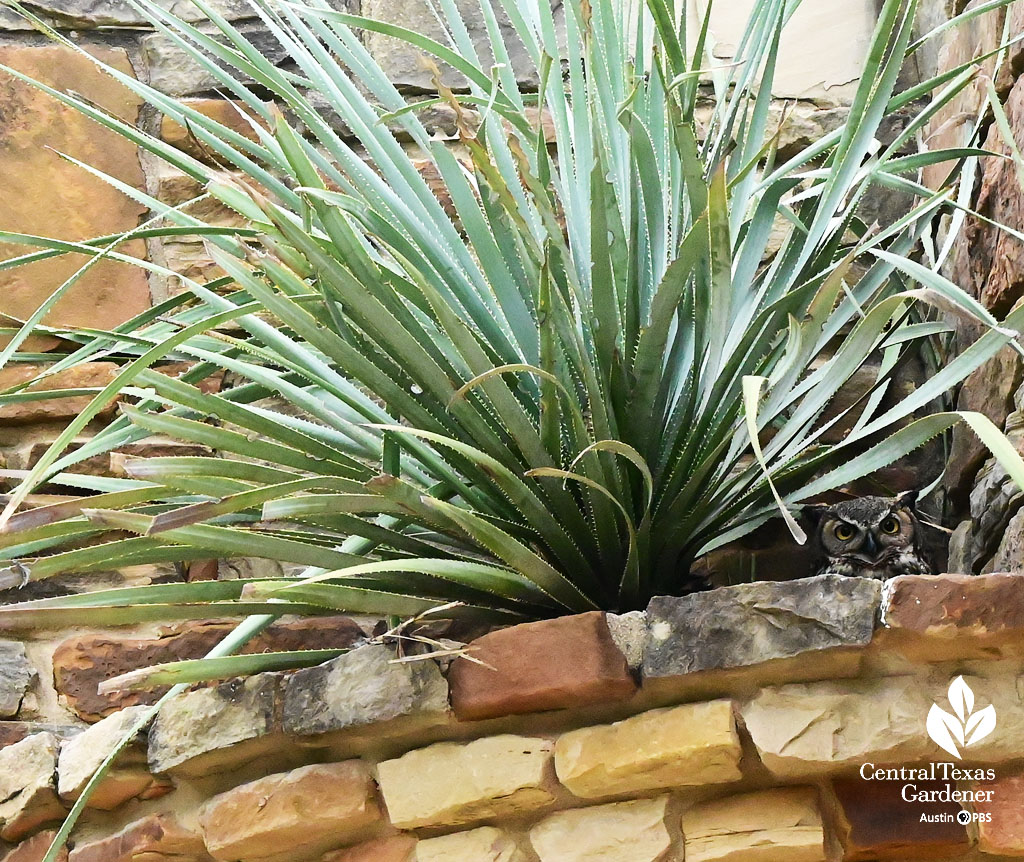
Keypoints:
(553, 664)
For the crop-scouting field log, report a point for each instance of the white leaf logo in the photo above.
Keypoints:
(952, 732)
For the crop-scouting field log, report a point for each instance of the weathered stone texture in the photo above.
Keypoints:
(89, 375)
(157, 838)
(684, 745)
(16, 675)
(992, 265)
(228, 113)
(363, 687)
(28, 798)
(46, 195)
(1002, 834)
(82, 755)
(524, 669)
(876, 823)
(210, 728)
(618, 832)
(82, 662)
(781, 825)
(485, 844)
(752, 623)
(394, 848)
(291, 815)
(15, 731)
(956, 606)
(449, 784)
(34, 849)
(85, 14)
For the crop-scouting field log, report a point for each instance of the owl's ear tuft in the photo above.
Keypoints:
(908, 499)
(813, 512)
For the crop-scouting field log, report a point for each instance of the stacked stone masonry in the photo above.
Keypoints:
(784, 746)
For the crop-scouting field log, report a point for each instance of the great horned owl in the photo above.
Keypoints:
(870, 537)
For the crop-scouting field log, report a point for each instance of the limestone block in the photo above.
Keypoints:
(44, 194)
(815, 728)
(817, 59)
(809, 728)
(449, 784)
(696, 743)
(363, 687)
(214, 728)
(157, 838)
(629, 632)
(485, 844)
(82, 662)
(83, 754)
(16, 675)
(524, 669)
(15, 731)
(1002, 834)
(28, 798)
(292, 815)
(753, 623)
(619, 832)
(875, 822)
(231, 114)
(781, 825)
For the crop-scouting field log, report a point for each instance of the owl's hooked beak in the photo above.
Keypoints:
(870, 546)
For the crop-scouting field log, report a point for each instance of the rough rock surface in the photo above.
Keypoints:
(485, 844)
(752, 623)
(956, 605)
(28, 798)
(875, 822)
(695, 743)
(34, 849)
(781, 825)
(208, 729)
(294, 814)
(449, 784)
(362, 687)
(88, 375)
(1002, 834)
(85, 14)
(43, 194)
(619, 832)
(227, 113)
(16, 674)
(157, 838)
(82, 755)
(82, 662)
(524, 669)
(394, 848)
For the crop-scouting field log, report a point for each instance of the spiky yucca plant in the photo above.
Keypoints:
(552, 393)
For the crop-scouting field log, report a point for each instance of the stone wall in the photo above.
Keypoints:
(769, 722)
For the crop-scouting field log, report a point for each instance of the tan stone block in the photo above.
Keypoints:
(89, 375)
(394, 848)
(28, 798)
(44, 194)
(83, 754)
(156, 838)
(619, 832)
(486, 844)
(696, 743)
(768, 826)
(449, 784)
(293, 814)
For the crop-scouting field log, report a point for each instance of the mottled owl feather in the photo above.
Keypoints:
(870, 537)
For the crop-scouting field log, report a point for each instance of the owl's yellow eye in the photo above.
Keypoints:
(844, 532)
(890, 525)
